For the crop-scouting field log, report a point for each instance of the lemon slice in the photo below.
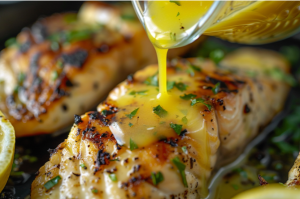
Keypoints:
(7, 149)
(272, 191)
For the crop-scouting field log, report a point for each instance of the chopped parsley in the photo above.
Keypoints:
(181, 86)
(54, 75)
(181, 167)
(200, 100)
(106, 113)
(82, 165)
(77, 35)
(132, 114)
(152, 80)
(138, 92)
(157, 177)
(158, 110)
(10, 42)
(173, 36)
(184, 149)
(178, 14)
(188, 96)
(170, 85)
(113, 177)
(216, 88)
(196, 68)
(235, 186)
(278, 74)
(51, 183)
(133, 145)
(176, 2)
(128, 16)
(177, 128)
(162, 122)
(21, 77)
(217, 55)
(130, 124)
(184, 120)
(94, 190)
(112, 160)
(54, 45)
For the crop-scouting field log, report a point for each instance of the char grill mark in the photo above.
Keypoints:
(39, 32)
(76, 58)
(102, 158)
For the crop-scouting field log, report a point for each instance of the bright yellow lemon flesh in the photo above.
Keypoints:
(7, 149)
(272, 191)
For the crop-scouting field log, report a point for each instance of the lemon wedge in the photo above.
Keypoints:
(7, 149)
(272, 191)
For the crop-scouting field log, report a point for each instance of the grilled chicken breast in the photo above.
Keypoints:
(136, 146)
(294, 174)
(66, 64)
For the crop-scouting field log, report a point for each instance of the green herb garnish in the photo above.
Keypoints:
(113, 177)
(51, 183)
(54, 46)
(94, 190)
(158, 110)
(184, 120)
(130, 124)
(157, 177)
(82, 165)
(200, 100)
(178, 14)
(54, 75)
(128, 16)
(71, 17)
(235, 186)
(216, 88)
(152, 80)
(277, 74)
(132, 114)
(177, 128)
(133, 145)
(184, 149)
(217, 55)
(181, 167)
(170, 85)
(176, 2)
(10, 42)
(138, 92)
(181, 86)
(112, 160)
(188, 96)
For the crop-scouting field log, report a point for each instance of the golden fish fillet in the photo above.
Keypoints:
(136, 146)
(67, 63)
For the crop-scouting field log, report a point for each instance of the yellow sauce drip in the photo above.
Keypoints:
(256, 22)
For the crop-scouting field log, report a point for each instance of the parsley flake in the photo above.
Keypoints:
(170, 85)
(132, 114)
(181, 167)
(176, 2)
(113, 177)
(216, 88)
(112, 160)
(191, 70)
(158, 110)
(82, 165)
(138, 92)
(51, 183)
(10, 42)
(184, 120)
(54, 75)
(184, 149)
(235, 186)
(130, 124)
(178, 14)
(181, 86)
(200, 100)
(177, 128)
(152, 80)
(157, 177)
(217, 55)
(188, 96)
(94, 190)
(133, 145)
